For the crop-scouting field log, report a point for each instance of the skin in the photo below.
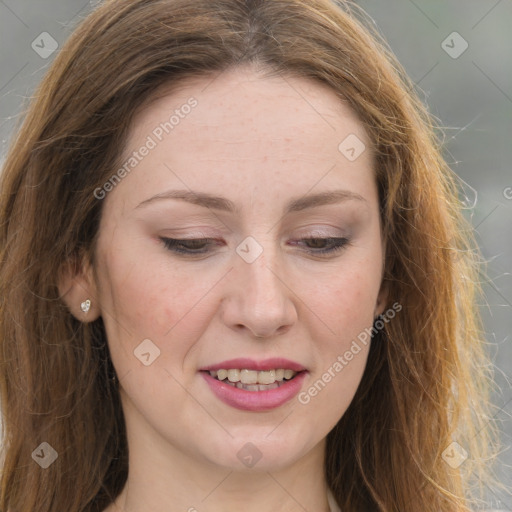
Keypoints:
(259, 142)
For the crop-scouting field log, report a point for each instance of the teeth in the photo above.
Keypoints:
(253, 378)
(222, 374)
(288, 374)
(251, 387)
(267, 377)
(248, 376)
(234, 375)
(256, 387)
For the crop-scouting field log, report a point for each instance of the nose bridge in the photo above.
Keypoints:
(259, 300)
(262, 286)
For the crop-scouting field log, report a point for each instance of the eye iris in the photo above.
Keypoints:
(194, 244)
(188, 246)
(203, 246)
(317, 243)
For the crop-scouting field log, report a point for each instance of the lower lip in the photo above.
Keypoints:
(255, 400)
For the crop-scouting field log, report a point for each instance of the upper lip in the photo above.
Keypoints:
(251, 364)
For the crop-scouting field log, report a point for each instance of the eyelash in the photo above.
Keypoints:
(179, 246)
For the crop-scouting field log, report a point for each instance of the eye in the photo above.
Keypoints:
(201, 246)
(188, 246)
(329, 245)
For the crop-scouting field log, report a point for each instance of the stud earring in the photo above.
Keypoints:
(85, 306)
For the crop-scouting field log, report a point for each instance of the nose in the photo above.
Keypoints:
(257, 299)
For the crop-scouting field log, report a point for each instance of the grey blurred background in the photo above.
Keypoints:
(458, 52)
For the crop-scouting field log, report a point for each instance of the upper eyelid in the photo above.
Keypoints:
(214, 239)
(208, 241)
(327, 231)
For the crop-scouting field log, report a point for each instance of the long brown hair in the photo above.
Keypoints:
(424, 385)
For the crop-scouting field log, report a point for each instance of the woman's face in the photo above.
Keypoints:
(244, 170)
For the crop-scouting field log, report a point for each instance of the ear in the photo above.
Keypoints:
(382, 299)
(383, 296)
(77, 285)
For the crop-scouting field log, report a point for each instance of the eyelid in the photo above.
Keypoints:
(173, 245)
(338, 244)
(335, 245)
(191, 234)
(321, 232)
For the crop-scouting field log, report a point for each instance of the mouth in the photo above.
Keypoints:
(255, 385)
(253, 380)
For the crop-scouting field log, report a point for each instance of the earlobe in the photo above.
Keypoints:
(77, 289)
(382, 300)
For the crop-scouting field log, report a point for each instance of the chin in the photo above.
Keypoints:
(265, 451)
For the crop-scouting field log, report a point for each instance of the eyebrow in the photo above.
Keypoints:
(225, 205)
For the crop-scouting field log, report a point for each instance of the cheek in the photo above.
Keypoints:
(148, 295)
(144, 297)
(346, 302)
(346, 305)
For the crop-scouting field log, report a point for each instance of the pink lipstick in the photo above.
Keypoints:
(252, 385)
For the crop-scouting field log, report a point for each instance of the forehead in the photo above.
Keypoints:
(243, 102)
(243, 128)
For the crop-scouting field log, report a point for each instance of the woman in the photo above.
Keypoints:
(231, 273)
